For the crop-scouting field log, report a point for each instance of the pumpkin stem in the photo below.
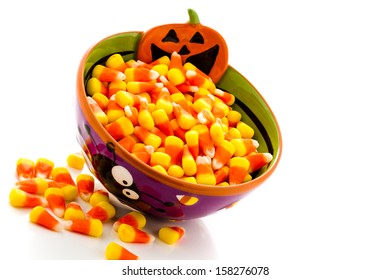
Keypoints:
(194, 18)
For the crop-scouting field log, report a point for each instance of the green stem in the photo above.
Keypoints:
(194, 19)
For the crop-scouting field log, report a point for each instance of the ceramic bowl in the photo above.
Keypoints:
(136, 184)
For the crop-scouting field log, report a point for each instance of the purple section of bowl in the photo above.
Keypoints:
(152, 196)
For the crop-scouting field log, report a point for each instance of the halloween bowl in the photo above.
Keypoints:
(136, 184)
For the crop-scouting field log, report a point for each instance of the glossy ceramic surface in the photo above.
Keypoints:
(139, 186)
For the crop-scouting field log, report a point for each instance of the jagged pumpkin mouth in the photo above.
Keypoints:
(204, 61)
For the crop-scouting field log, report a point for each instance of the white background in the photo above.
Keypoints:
(323, 67)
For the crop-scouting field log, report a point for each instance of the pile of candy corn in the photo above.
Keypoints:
(55, 201)
(172, 117)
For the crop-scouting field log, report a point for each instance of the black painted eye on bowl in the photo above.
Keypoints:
(122, 176)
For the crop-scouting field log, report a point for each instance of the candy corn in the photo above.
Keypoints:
(238, 169)
(43, 168)
(33, 186)
(20, 198)
(41, 216)
(135, 219)
(91, 227)
(130, 234)
(85, 186)
(171, 235)
(56, 201)
(25, 169)
(73, 211)
(102, 211)
(114, 251)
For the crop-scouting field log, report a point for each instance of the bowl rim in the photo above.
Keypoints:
(184, 186)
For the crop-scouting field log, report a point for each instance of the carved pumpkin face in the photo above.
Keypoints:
(196, 43)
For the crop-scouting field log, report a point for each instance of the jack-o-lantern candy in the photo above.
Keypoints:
(198, 44)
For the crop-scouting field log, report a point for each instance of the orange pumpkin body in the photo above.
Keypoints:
(198, 44)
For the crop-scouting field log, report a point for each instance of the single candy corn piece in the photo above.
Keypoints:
(205, 142)
(223, 152)
(163, 101)
(161, 69)
(204, 102)
(128, 142)
(73, 211)
(160, 168)
(162, 122)
(143, 154)
(98, 196)
(102, 211)
(226, 97)
(33, 185)
(221, 175)
(244, 146)
(95, 86)
(216, 132)
(175, 171)
(130, 234)
(174, 148)
(140, 74)
(204, 174)
(105, 74)
(192, 140)
(56, 201)
(145, 118)
(116, 62)
(246, 131)
(19, 198)
(176, 76)
(238, 170)
(43, 168)
(40, 216)
(134, 218)
(76, 161)
(101, 100)
(68, 190)
(190, 179)
(185, 119)
(132, 114)
(196, 79)
(97, 111)
(171, 235)
(91, 227)
(188, 162)
(206, 117)
(139, 87)
(114, 251)
(114, 111)
(120, 128)
(162, 60)
(124, 98)
(232, 133)
(85, 186)
(147, 137)
(233, 118)
(258, 160)
(62, 174)
(160, 158)
(25, 169)
(220, 110)
(115, 87)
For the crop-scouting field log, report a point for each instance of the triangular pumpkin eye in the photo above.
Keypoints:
(197, 38)
(171, 37)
